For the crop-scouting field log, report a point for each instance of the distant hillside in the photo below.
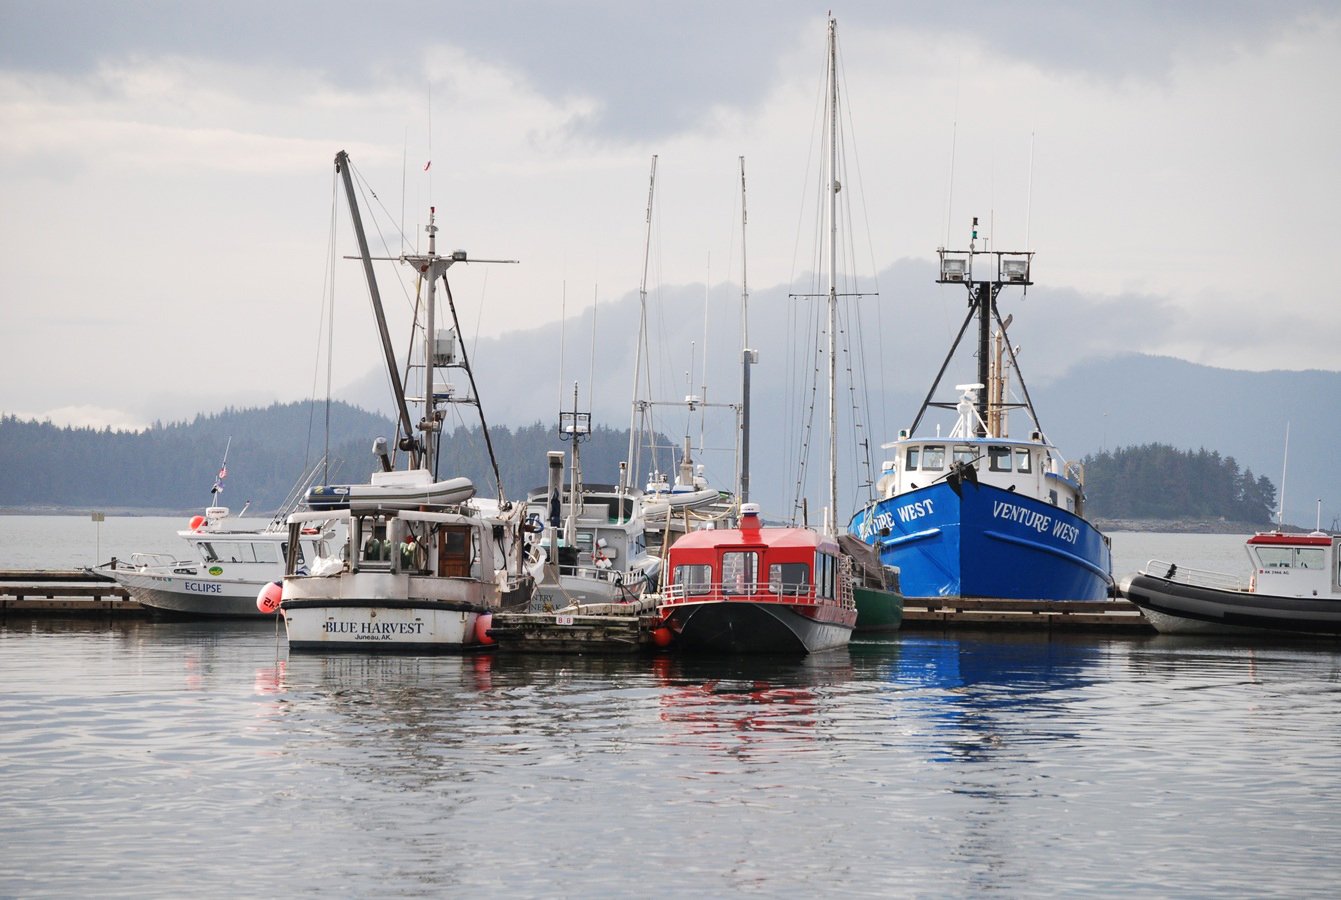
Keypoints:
(1133, 399)
(174, 466)
(1091, 396)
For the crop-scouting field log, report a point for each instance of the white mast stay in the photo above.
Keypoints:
(831, 512)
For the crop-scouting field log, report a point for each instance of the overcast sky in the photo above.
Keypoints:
(166, 170)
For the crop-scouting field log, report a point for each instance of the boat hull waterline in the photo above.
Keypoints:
(190, 596)
(984, 541)
(1174, 607)
(384, 625)
(738, 626)
(877, 610)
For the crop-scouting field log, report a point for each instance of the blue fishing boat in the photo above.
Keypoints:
(975, 512)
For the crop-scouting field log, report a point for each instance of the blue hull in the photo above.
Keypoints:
(986, 543)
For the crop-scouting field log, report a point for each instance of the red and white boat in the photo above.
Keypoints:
(1295, 587)
(757, 589)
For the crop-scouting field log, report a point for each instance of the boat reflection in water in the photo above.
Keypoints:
(738, 704)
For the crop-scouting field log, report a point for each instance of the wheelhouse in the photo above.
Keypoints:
(1031, 468)
(792, 565)
(1297, 565)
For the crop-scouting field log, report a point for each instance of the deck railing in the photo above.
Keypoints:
(1198, 577)
(678, 592)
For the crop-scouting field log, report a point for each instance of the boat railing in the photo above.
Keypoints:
(1199, 577)
(599, 573)
(676, 593)
(153, 560)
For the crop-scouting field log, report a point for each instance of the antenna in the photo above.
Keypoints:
(563, 328)
(1280, 510)
(591, 375)
(954, 137)
(1029, 194)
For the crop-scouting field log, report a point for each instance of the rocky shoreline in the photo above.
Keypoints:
(1189, 526)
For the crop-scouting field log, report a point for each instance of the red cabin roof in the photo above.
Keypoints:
(1276, 538)
(753, 537)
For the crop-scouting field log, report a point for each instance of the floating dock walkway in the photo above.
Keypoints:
(71, 592)
(927, 613)
(607, 628)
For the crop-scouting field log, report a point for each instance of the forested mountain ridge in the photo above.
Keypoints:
(173, 466)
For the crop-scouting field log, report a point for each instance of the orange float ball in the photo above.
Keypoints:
(267, 600)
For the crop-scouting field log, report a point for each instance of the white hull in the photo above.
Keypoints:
(380, 627)
(381, 611)
(193, 595)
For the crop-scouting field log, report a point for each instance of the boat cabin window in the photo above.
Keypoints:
(694, 580)
(910, 460)
(965, 455)
(933, 458)
(789, 579)
(740, 572)
(826, 570)
(1292, 557)
(1022, 459)
(239, 552)
(998, 459)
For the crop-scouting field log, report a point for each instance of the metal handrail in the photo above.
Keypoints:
(1160, 568)
(739, 589)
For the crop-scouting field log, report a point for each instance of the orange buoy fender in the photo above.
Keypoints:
(267, 599)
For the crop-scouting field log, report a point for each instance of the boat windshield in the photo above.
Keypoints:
(998, 459)
(1291, 557)
(933, 458)
(239, 551)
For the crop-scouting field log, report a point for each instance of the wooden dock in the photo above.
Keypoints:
(68, 592)
(592, 628)
(922, 613)
(621, 628)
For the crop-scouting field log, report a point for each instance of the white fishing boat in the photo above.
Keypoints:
(422, 569)
(1295, 586)
(228, 563)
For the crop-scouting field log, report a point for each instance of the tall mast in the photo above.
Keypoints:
(429, 425)
(747, 355)
(342, 166)
(831, 515)
(635, 446)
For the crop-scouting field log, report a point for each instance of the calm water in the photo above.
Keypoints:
(157, 759)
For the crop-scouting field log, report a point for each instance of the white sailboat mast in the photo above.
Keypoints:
(635, 443)
(831, 514)
(429, 425)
